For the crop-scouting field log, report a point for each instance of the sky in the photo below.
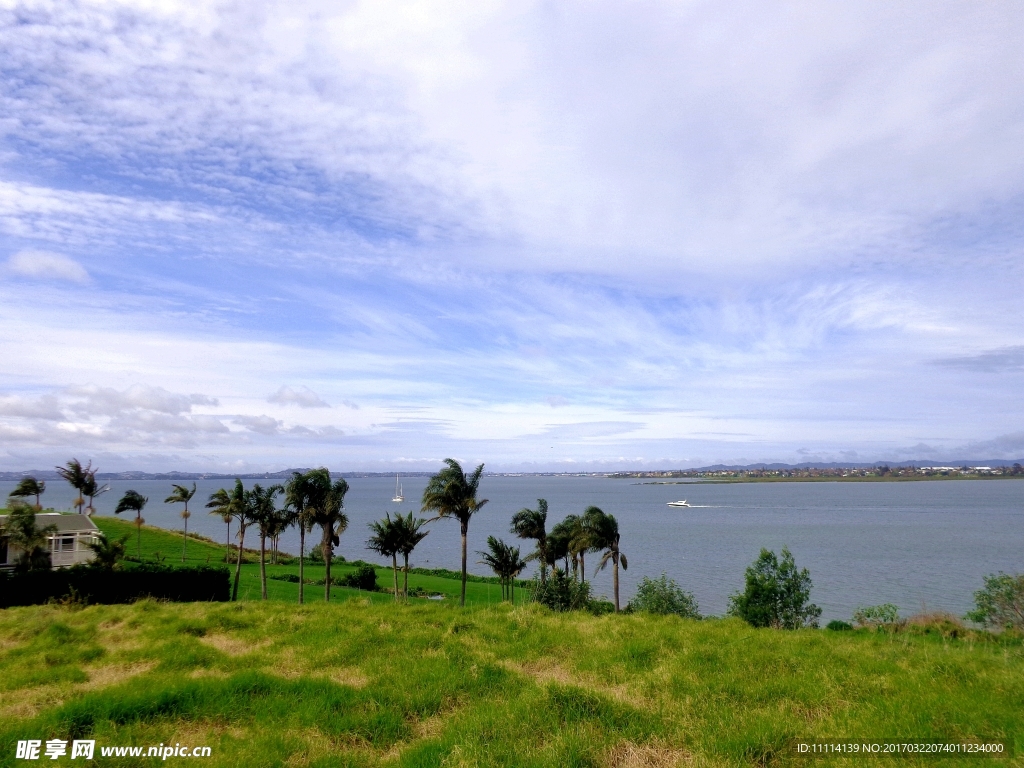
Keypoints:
(573, 236)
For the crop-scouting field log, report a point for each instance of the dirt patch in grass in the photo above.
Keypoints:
(630, 755)
(111, 674)
(233, 646)
(27, 702)
(548, 672)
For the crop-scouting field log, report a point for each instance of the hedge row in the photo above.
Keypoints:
(136, 580)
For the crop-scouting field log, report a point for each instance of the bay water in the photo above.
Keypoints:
(920, 545)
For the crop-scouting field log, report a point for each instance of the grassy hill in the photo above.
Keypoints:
(361, 683)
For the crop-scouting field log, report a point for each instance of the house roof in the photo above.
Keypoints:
(64, 523)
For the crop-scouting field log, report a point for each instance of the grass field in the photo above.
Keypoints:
(168, 545)
(362, 683)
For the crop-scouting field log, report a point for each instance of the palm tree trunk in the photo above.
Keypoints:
(238, 565)
(184, 538)
(327, 563)
(583, 568)
(394, 569)
(227, 545)
(615, 578)
(405, 578)
(263, 564)
(465, 530)
(302, 554)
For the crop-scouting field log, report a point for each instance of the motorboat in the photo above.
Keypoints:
(399, 496)
(683, 503)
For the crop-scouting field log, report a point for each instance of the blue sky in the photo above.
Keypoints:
(572, 236)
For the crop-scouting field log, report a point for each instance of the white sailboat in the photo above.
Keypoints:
(399, 497)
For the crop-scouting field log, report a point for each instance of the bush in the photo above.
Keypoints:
(364, 577)
(776, 594)
(664, 596)
(561, 593)
(885, 616)
(105, 586)
(1001, 602)
(839, 626)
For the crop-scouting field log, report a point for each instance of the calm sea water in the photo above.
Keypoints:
(918, 545)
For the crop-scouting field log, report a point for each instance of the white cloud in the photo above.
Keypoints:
(107, 401)
(264, 425)
(43, 265)
(302, 397)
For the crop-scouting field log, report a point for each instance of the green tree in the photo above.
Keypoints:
(232, 504)
(297, 496)
(451, 493)
(108, 553)
(76, 476)
(602, 531)
(386, 542)
(776, 594)
(663, 595)
(133, 501)
(506, 563)
(220, 504)
(261, 510)
(29, 486)
(532, 524)
(182, 495)
(409, 536)
(327, 503)
(31, 541)
(563, 593)
(1001, 602)
(92, 489)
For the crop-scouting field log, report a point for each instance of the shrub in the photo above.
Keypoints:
(561, 593)
(839, 626)
(663, 595)
(363, 577)
(776, 594)
(134, 581)
(885, 616)
(1001, 602)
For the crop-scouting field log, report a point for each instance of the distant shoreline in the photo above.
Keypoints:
(858, 479)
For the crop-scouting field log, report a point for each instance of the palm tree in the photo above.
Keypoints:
(530, 524)
(232, 505)
(386, 543)
(29, 486)
(33, 543)
(108, 552)
(581, 538)
(182, 495)
(604, 530)
(409, 536)
(76, 474)
(297, 495)
(506, 563)
(558, 541)
(92, 489)
(327, 503)
(452, 493)
(133, 501)
(259, 506)
(220, 505)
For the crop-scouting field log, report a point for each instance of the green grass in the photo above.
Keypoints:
(360, 683)
(168, 545)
